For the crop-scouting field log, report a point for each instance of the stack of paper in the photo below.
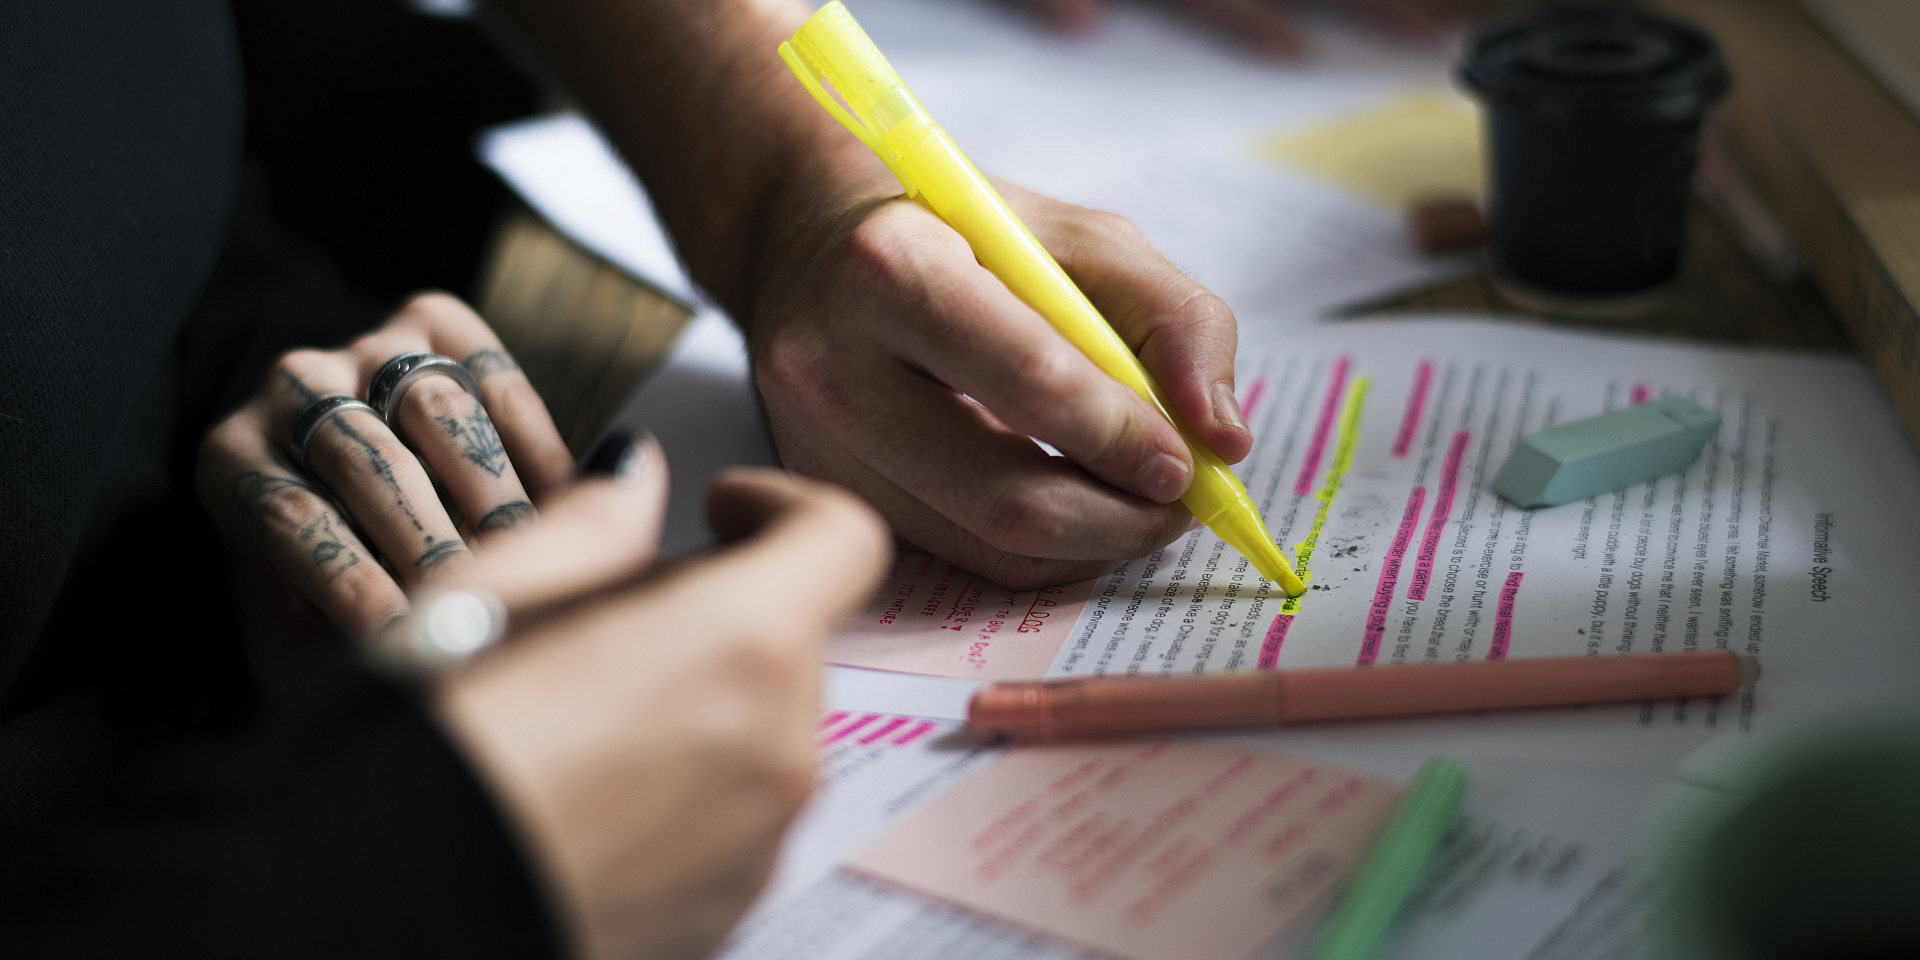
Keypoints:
(1788, 540)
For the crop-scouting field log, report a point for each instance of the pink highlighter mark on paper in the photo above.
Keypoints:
(1147, 852)
(1336, 385)
(843, 732)
(1389, 576)
(1437, 522)
(1503, 617)
(1416, 402)
(1276, 635)
(1253, 397)
(884, 729)
(918, 730)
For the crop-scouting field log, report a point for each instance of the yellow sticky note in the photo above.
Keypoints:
(1418, 147)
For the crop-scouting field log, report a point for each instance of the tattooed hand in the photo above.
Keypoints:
(362, 523)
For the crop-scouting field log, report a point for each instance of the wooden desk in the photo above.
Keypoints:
(1720, 296)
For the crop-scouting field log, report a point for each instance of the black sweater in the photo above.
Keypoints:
(150, 803)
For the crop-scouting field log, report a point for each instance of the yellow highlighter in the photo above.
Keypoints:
(830, 48)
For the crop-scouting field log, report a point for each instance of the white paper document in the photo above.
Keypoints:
(1788, 540)
(1375, 444)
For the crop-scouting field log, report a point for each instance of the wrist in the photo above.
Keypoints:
(825, 186)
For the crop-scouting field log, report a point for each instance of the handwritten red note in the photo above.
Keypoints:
(933, 617)
(1149, 852)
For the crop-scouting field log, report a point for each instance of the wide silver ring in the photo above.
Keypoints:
(396, 376)
(308, 421)
(445, 629)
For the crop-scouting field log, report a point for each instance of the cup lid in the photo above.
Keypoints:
(1592, 64)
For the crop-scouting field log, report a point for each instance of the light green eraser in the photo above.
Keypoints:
(1601, 454)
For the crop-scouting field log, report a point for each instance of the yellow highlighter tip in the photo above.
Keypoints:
(1243, 531)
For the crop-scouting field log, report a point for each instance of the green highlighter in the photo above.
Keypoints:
(1396, 866)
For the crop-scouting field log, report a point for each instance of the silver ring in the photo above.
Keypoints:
(445, 629)
(392, 380)
(308, 422)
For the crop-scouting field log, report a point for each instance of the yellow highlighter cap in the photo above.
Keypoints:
(872, 102)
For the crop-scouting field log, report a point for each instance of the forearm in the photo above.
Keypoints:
(695, 98)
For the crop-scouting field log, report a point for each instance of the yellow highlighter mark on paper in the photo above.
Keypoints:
(1336, 471)
(1422, 146)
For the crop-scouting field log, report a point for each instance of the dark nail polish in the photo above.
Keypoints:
(617, 454)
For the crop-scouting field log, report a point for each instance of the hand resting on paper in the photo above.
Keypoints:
(1263, 25)
(652, 736)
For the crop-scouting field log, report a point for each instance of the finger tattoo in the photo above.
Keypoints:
(253, 495)
(482, 363)
(306, 393)
(328, 552)
(437, 553)
(506, 515)
(479, 441)
(381, 468)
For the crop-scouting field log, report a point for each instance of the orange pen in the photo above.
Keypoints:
(1102, 705)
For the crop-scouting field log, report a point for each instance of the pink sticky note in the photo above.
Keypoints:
(1150, 852)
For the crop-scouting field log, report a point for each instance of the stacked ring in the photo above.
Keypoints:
(316, 413)
(396, 376)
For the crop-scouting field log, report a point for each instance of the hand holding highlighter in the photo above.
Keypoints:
(869, 99)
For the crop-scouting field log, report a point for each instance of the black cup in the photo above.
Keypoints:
(1593, 124)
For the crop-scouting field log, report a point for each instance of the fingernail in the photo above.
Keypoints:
(619, 455)
(1162, 479)
(1226, 409)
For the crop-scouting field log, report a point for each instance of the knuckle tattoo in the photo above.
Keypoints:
(291, 380)
(486, 362)
(506, 515)
(479, 441)
(437, 552)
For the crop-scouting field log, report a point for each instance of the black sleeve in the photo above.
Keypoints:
(347, 825)
(149, 807)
